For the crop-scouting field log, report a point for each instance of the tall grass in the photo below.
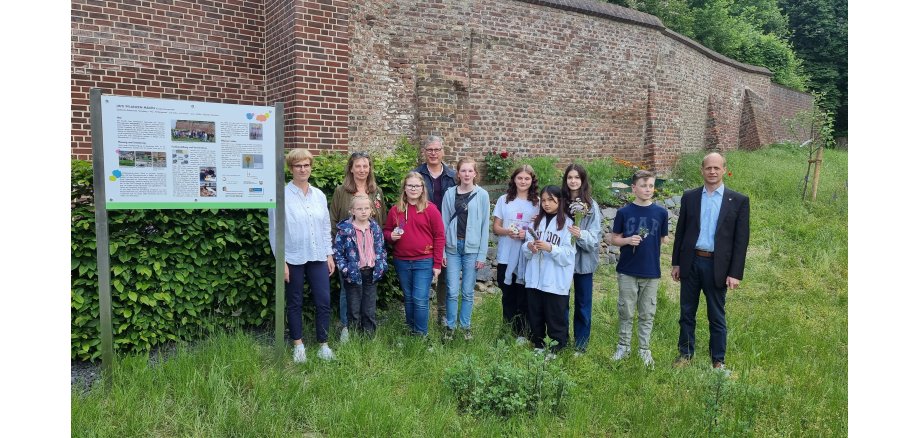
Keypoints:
(787, 347)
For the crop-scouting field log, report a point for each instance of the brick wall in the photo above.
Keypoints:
(232, 51)
(209, 51)
(575, 79)
(571, 78)
(784, 104)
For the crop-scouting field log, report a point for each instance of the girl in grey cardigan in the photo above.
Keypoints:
(465, 211)
(586, 230)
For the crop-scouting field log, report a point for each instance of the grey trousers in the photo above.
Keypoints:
(641, 293)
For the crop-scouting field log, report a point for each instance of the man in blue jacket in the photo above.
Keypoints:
(438, 178)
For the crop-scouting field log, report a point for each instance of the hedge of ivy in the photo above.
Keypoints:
(177, 274)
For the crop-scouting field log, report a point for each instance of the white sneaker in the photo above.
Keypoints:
(300, 354)
(621, 353)
(577, 354)
(550, 357)
(537, 351)
(646, 356)
(325, 353)
(521, 341)
(343, 338)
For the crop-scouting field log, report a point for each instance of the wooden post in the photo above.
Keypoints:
(814, 183)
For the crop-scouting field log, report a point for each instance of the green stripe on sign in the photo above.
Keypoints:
(185, 205)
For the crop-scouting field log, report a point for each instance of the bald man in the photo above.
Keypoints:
(710, 246)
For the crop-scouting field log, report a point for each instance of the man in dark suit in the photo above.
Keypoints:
(710, 245)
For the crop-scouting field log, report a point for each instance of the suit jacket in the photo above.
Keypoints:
(731, 237)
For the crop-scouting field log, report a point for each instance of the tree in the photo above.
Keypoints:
(819, 36)
(751, 31)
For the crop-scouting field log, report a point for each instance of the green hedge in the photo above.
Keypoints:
(178, 274)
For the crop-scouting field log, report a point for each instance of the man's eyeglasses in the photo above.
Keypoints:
(301, 166)
(413, 186)
(433, 150)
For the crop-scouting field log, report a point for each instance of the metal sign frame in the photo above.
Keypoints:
(103, 261)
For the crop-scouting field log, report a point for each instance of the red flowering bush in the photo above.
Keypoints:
(498, 165)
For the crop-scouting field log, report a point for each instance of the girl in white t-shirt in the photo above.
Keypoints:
(514, 210)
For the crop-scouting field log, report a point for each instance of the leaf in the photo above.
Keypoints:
(118, 286)
(132, 296)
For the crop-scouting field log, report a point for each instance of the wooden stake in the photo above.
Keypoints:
(814, 182)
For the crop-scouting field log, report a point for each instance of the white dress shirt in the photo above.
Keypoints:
(306, 226)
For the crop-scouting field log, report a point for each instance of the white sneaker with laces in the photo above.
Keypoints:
(521, 340)
(325, 353)
(537, 351)
(343, 337)
(550, 357)
(621, 353)
(300, 354)
(646, 356)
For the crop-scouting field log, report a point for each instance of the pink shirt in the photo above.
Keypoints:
(365, 242)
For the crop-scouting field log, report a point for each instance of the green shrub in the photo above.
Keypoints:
(179, 273)
(546, 170)
(499, 166)
(601, 173)
(509, 384)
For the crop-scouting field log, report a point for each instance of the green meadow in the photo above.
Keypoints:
(787, 352)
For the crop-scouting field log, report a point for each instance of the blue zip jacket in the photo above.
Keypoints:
(346, 256)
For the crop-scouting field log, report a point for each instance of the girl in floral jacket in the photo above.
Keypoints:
(362, 260)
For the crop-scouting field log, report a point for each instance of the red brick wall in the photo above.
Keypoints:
(210, 51)
(570, 78)
(784, 104)
(231, 51)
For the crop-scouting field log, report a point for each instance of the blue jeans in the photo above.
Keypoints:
(415, 281)
(702, 276)
(584, 287)
(457, 262)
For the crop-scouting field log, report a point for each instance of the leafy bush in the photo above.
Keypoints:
(498, 166)
(601, 173)
(509, 385)
(548, 173)
(177, 274)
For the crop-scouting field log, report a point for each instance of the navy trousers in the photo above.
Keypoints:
(701, 277)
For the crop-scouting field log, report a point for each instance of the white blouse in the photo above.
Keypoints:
(306, 226)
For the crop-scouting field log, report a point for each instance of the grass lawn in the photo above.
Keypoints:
(787, 349)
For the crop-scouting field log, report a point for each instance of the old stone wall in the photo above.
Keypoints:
(569, 78)
(574, 79)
